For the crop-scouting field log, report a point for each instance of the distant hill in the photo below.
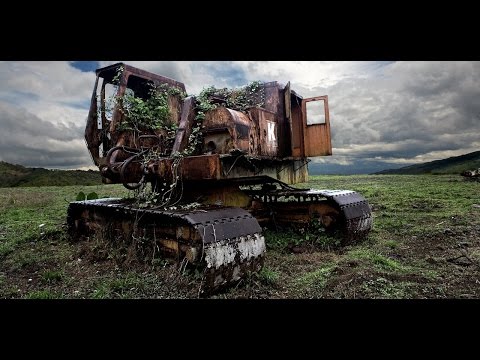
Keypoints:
(17, 175)
(452, 165)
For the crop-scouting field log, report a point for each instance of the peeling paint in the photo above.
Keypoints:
(251, 246)
(225, 252)
(364, 224)
(220, 253)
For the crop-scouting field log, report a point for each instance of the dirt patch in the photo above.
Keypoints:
(60, 269)
(452, 258)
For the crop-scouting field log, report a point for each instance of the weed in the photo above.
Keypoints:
(42, 294)
(269, 276)
(101, 292)
(392, 244)
(380, 261)
(82, 197)
(313, 283)
(51, 276)
(124, 286)
(313, 236)
(281, 240)
(384, 288)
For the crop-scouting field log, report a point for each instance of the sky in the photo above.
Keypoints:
(383, 114)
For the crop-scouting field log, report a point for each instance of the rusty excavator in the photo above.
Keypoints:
(219, 173)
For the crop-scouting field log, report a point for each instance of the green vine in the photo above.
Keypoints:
(142, 116)
(251, 95)
(152, 113)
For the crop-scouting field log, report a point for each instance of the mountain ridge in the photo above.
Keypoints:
(13, 175)
(451, 165)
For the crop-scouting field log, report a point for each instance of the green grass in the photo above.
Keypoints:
(408, 204)
(392, 244)
(17, 175)
(31, 214)
(122, 286)
(269, 276)
(52, 276)
(28, 257)
(101, 292)
(385, 289)
(376, 259)
(280, 240)
(419, 222)
(311, 284)
(42, 294)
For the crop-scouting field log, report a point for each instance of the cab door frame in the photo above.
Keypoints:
(316, 136)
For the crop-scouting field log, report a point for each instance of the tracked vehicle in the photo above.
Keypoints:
(219, 173)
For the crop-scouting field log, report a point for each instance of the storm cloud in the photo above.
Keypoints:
(383, 114)
(28, 140)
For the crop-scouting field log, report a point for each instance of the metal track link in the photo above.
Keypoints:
(356, 212)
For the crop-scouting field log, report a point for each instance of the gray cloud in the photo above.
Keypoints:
(47, 80)
(31, 141)
(382, 113)
(411, 110)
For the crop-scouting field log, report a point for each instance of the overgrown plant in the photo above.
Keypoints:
(251, 95)
(81, 196)
(309, 237)
(142, 115)
(150, 115)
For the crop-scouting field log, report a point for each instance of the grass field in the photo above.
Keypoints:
(425, 243)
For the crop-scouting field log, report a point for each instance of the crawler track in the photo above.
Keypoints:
(225, 241)
(342, 210)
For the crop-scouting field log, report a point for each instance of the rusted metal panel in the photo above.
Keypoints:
(298, 149)
(226, 130)
(92, 137)
(287, 96)
(295, 172)
(271, 96)
(267, 133)
(275, 103)
(203, 167)
(185, 125)
(111, 70)
(317, 139)
(214, 167)
(260, 137)
(175, 107)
